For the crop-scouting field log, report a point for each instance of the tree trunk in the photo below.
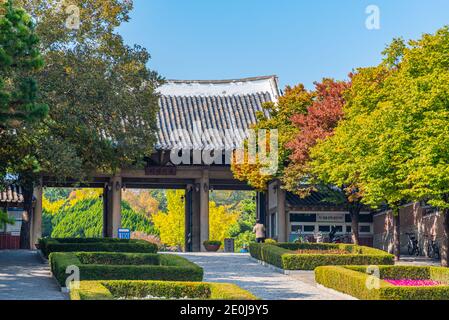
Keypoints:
(355, 217)
(25, 230)
(396, 235)
(445, 243)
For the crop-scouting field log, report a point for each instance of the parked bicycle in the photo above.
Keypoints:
(413, 247)
(433, 250)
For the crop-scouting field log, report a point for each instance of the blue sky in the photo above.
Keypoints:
(298, 40)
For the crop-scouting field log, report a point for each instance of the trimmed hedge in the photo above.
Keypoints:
(124, 266)
(353, 280)
(49, 245)
(110, 290)
(283, 255)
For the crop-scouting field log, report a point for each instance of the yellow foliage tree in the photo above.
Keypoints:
(221, 220)
(171, 224)
(52, 207)
(141, 202)
(83, 194)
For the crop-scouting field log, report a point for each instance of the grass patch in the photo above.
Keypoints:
(113, 290)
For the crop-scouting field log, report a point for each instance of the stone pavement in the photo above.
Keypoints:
(417, 261)
(24, 277)
(263, 282)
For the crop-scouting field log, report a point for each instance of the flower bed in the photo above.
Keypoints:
(156, 290)
(335, 251)
(124, 266)
(393, 283)
(49, 245)
(413, 283)
(312, 255)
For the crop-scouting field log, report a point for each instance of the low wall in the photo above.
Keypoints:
(9, 242)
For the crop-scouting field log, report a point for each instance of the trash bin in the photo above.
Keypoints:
(229, 245)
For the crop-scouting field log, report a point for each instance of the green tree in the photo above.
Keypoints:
(19, 59)
(81, 215)
(393, 141)
(4, 219)
(419, 100)
(101, 93)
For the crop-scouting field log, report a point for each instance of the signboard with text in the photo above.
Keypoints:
(124, 233)
(330, 217)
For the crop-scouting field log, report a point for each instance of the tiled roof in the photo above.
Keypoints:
(314, 199)
(189, 115)
(190, 107)
(11, 194)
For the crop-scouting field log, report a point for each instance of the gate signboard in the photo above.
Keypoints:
(124, 233)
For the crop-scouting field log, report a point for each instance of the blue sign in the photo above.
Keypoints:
(124, 233)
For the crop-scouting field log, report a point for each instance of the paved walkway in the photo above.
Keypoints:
(417, 261)
(24, 277)
(261, 281)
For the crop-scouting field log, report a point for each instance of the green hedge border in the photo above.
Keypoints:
(112, 290)
(282, 255)
(133, 266)
(352, 280)
(49, 245)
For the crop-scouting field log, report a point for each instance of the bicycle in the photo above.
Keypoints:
(433, 250)
(412, 247)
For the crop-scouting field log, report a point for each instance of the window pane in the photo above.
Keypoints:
(348, 229)
(309, 228)
(299, 217)
(324, 228)
(338, 228)
(296, 229)
(366, 229)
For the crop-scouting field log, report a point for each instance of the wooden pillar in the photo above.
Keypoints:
(204, 208)
(262, 207)
(106, 201)
(188, 209)
(114, 203)
(36, 224)
(282, 216)
(196, 224)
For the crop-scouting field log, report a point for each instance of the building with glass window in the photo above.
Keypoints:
(289, 217)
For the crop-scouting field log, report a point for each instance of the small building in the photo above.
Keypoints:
(289, 216)
(11, 202)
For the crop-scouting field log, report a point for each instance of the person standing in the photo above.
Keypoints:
(259, 230)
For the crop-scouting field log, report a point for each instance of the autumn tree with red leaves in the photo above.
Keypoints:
(317, 124)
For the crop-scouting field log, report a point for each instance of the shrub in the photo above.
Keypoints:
(353, 280)
(124, 266)
(49, 245)
(110, 290)
(283, 255)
